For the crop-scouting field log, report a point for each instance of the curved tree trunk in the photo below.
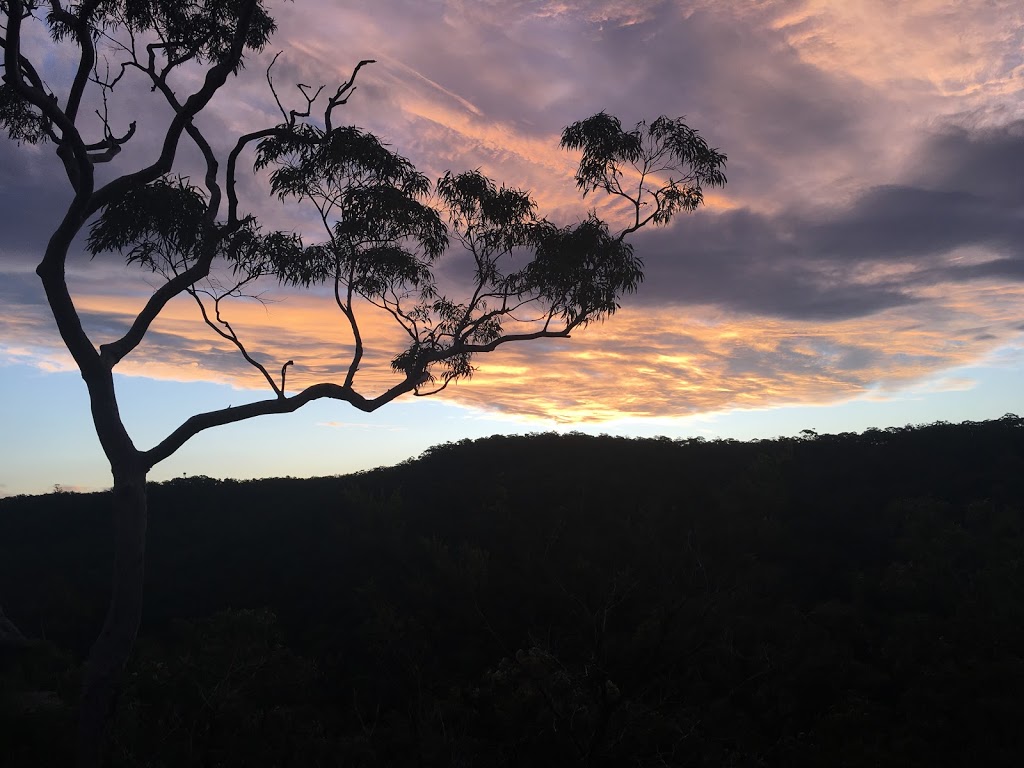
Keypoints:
(110, 652)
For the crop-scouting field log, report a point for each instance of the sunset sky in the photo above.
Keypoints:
(863, 267)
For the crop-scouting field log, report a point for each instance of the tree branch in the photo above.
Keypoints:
(115, 351)
(461, 348)
(216, 76)
(80, 172)
(230, 335)
(345, 90)
(51, 267)
(357, 338)
(203, 421)
(85, 43)
(229, 178)
(210, 179)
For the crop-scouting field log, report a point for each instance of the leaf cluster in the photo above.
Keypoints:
(191, 30)
(165, 227)
(665, 164)
(21, 120)
(490, 221)
(158, 226)
(381, 234)
(582, 270)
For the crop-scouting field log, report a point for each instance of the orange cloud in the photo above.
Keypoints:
(674, 362)
(646, 363)
(308, 330)
(954, 47)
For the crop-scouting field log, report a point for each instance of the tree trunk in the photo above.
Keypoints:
(110, 652)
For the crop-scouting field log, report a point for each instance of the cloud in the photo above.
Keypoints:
(31, 203)
(959, 48)
(663, 362)
(954, 217)
(674, 362)
(870, 235)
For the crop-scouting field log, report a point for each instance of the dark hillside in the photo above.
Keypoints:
(842, 600)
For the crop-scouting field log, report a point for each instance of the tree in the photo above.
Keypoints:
(384, 228)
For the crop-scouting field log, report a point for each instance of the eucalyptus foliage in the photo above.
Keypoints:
(661, 167)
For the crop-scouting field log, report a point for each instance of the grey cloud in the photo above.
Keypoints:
(19, 287)
(743, 88)
(1009, 269)
(985, 161)
(842, 362)
(964, 187)
(33, 194)
(745, 261)
(802, 264)
(903, 221)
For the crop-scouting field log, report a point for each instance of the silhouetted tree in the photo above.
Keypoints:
(380, 241)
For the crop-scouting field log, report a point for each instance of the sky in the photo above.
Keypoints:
(864, 266)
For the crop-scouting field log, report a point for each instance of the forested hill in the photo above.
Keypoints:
(850, 600)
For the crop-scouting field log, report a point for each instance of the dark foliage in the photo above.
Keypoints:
(632, 164)
(850, 600)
